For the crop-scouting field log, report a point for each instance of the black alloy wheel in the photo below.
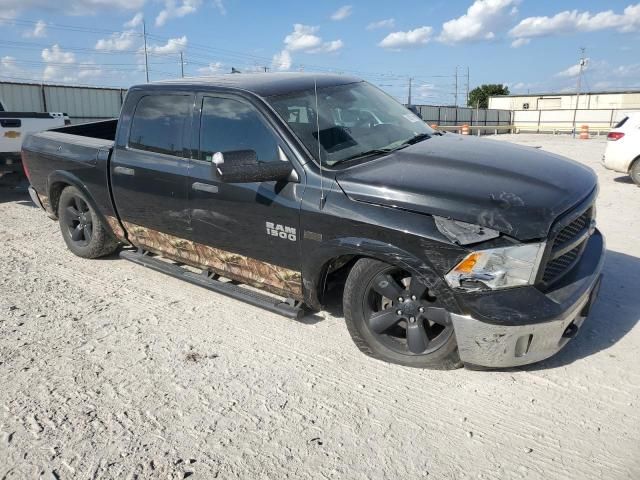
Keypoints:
(402, 316)
(78, 219)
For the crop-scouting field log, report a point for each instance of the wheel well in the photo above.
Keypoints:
(54, 194)
(633, 163)
(335, 273)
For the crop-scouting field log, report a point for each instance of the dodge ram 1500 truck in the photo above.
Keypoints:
(450, 250)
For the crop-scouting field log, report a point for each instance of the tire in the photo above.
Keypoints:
(82, 230)
(400, 339)
(634, 171)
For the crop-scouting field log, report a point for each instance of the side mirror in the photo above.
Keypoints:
(242, 166)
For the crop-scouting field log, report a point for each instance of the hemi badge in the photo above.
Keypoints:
(12, 134)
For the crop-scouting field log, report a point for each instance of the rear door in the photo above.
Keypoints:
(252, 228)
(149, 170)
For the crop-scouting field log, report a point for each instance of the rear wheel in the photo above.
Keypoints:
(393, 317)
(82, 230)
(634, 171)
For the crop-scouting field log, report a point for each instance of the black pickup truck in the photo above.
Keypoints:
(447, 250)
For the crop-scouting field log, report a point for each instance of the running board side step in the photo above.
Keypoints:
(289, 308)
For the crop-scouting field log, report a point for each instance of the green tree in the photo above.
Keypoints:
(479, 96)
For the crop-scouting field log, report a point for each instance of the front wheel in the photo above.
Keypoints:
(82, 230)
(393, 317)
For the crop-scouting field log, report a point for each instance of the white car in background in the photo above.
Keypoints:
(623, 147)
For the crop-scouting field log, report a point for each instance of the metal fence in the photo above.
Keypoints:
(447, 116)
(82, 104)
(562, 120)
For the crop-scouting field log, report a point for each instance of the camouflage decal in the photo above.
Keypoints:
(272, 278)
(44, 200)
(115, 227)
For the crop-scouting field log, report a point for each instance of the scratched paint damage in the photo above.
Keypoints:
(272, 278)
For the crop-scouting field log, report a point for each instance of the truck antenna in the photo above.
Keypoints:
(315, 91)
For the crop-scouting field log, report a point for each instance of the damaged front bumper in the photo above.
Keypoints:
(524, 325)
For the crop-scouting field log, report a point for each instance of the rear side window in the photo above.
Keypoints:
(158, 124)
(621, 122)
(229, 125)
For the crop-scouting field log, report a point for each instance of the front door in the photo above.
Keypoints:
(251, 230)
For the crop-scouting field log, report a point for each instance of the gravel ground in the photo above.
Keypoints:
(110, 370)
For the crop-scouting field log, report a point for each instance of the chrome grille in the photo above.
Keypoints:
(559, 260)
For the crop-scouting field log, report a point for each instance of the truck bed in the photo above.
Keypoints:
(78, 152)
(105, 130)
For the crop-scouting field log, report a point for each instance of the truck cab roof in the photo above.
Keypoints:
(262, 84)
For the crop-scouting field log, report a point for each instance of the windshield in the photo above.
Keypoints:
(355, 120)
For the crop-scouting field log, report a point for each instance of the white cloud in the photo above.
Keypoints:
(480, 21)
(575, 21)
(211, 69)
(519, 42)
(70, 7)
(282, 61)
(136, 21)
(8, 15)
(39, 31)
(342, 13)
(8, 63)
(173, 45)
(56, 60)
(57, 55)
(303, 37)
(118, 41)
(174, 10)
(328, 47)
(220, 6)
(411, 38)
(387, 23)
(573, 70)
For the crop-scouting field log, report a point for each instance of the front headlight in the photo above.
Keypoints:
(497, 268)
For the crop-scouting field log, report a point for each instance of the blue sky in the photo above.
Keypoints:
(528, 45)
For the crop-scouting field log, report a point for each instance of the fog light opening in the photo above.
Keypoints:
(570, 331)
(523, 344)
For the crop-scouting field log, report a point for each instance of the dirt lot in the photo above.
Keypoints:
(109, 370)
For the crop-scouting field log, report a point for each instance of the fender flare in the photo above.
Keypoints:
(314, 270)
(67, 178)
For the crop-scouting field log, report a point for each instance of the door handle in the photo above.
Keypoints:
(124, 171)
(205, 187)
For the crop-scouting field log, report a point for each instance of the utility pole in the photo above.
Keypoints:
(583, 62)
(409, 96)
(146, 56)
(455, 95)
(182, 64)
(466, 102)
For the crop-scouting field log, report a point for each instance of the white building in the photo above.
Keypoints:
(557, 111)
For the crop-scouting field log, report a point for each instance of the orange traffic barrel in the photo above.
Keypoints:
(584, 132)
(465, 129)
(434, 126)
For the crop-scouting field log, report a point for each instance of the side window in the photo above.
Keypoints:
(158, 124)
(229, 125)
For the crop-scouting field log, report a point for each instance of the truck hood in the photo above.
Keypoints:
(513, 189)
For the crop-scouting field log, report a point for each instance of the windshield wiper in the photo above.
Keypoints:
(382, 151)
(367, 153)
(418, 138)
